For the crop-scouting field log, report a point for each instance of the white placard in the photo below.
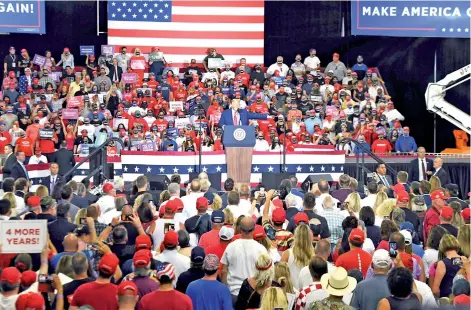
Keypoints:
(175, 105)
(214, 63)
(181, 122)
(23, 236)
(117, 121)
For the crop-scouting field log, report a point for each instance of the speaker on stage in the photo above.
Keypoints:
(214, 178)
(273, 180)
(158, 182)
(314, 178)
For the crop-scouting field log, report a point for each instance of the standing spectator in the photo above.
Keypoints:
(440, 172)
(373, 232)
(402, 202)
(10, 158)
(446, 216)
(334, 218)
(171, 255)
(448, 265)
(195, 271)
(240, 257)
(356, 258)
(211, 238)
(100, 294)
(66, 194)
(279, 66)
(406, 143)
(80, 268)
(432, 217)
(312, 62)
(208, 293)
(107, 201)
(362, 297)
(345, 190)
(10, 62)
(189, 201)
(337, 284)
(123, 59)
(142, 280)
(313, 291)
(128, 295)
(403, 295)
(421, 167)
(67, 59)
(337, 66)
(64, 158)
(59, 228)
(165, 297)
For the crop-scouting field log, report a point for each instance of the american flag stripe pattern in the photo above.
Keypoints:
(183, 30)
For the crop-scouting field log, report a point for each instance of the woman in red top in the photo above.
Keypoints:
(71, 132)
(47, 145)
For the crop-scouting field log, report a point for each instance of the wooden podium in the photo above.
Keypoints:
(238, 143)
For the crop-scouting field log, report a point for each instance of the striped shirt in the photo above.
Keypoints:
(309, 294)
(284, 239)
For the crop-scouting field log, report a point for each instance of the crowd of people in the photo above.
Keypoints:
(403, 246)
(161, 110)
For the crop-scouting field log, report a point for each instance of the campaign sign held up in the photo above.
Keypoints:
(39, 60)
(87, 50)
(23, 16)
(23, 236)
(444, 19)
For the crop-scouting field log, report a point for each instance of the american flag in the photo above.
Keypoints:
(183, 30)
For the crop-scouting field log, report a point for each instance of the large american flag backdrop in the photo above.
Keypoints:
(183, 30)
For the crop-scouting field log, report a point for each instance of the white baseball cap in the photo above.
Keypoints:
(381, 258)
(407, 236)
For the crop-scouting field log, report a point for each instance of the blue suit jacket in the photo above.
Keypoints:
(226, 117)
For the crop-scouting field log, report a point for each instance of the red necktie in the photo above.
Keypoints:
(235, 118)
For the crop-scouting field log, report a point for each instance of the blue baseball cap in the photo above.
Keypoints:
(197, 255)
(210, 197)
(407, 226)
(217, 217)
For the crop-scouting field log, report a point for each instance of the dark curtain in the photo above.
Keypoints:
(406, 64)
(459, 174)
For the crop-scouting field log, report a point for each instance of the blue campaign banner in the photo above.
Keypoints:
(443, 19)
(23, 17)
(87, 50)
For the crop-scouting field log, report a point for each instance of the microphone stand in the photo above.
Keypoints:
(285, 124)
(201, 146)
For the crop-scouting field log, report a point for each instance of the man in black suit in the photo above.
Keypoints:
(8, 161)
(381, 177)
(89, 196)
(115, 71)
(19, 170)
(52, 180)
(453, 191)
(440, 172)
(65, 159)
(421, 167)
(59, 228)
(77, 200)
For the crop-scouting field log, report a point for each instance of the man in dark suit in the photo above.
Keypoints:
(52, 180)
(421, 167)
(236, 116)
(77, 200)
(65, 159)
(89, 196)
(381, 177)
(19, 170)
(453, 192)
(115, 71)
(8, 161)
(440, 172)
(59, 228)
(344, 190)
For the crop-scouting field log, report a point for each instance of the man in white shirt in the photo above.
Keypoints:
(167, 222)
(312, 62)
(233, 204)
(323, 250)
(369, 200)
(171, 255)
(38, 158)
(238, 261)
(323, 187)
(106, 202)
(174, 191)
(280, 66)
(189, 201)
(261, 144)
(119, 203)
(244, 194)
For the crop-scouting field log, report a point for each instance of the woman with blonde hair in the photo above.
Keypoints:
(383, 211)
(81, 214)
(464, 239)
(228, 217)
(274, 298)
(11, 198)
(64, 266)
(380, 198)
(283, 278)
(42, 191)
(434, 183)
(252, 288)
(447, 267)
(300, 254)
(217, 202)
(352, 203)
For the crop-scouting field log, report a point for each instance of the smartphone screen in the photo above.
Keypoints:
(262, 189)
(392, 249)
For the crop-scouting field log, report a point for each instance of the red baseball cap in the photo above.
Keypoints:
(141, 258)
(108, 187)
(30, 301)
(398, 187)
(357, 235)
(466, 214)
(301, 217)
(128, 288)
(278, 203)
(143, 242)
(171, 206)
(34, 201)
(336, 55)
(446, 212)
(259, 233)
(11, 275)
(403, 196)
(407, 260)
(201, 203)
(278, 215)
(437, 194)
(108, 263)
(171, 238)
(462, 300)
(28, 278)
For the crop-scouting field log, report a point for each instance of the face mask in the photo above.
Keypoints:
(9, 111)
(381, 138)
(123, 52)
(361, 140)
(136, 131)
(260, 138)
(298, 59)
(362, 120)
(405, 134)
(161, 116)
(279, 62)
(86, 122)
(138, 53)
(36, 121)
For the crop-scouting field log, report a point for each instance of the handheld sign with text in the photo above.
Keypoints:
(175, 105)
(39, 60)
(45, 133)
(56, 76)
(138, 64)
(118, 121)
(175, 71)
(107, 49)
(69, 113)
(87, 50)
(130, 78)
(23, 236)
(75, 102)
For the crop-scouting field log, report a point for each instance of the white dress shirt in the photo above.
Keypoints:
(421, 175)
(34, 160)
(189, 204)
(283, 69)
(237, 115)
(369, 201)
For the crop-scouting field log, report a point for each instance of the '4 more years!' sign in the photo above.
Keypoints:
(23, 236)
